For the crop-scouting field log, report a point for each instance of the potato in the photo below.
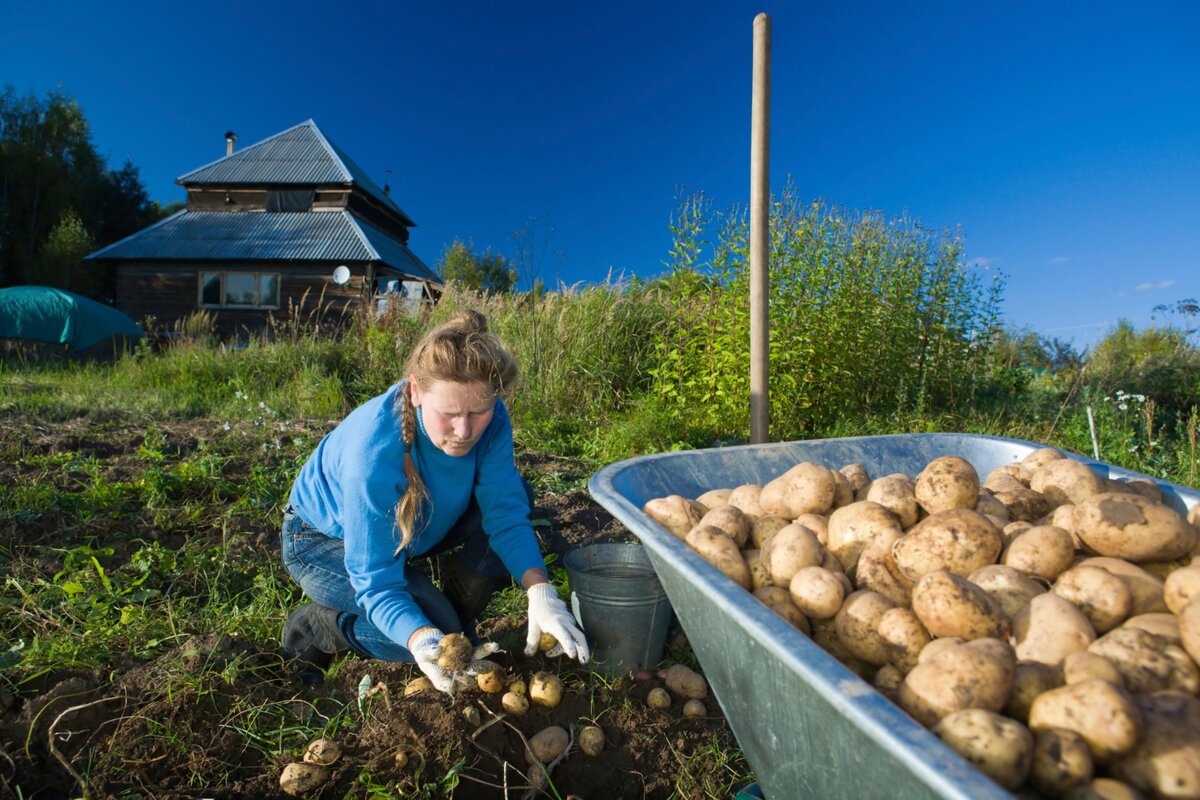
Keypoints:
(948, 605)
(417, 685)
(959, 540)
(903, 636)
(857, 475)
(1181, 586)
(818, 524)
(792, 615)
(717, 549)
(745, 497)
(514, 703)
(675, 513)
(937, 646)
(1147, 590)
(1103, 714)
(1043, 550)
(1061, 761)
(1146, 487)
(1103, 789)
(770, 595)
(806, 488)
(993, 509)
(1166, 760)
(1066, 480)
(876, 570)
(1011, 590)
(519, 686)
(759, 576)
(824, 634)
(1049, 628)
(1102, 597)
(1023, 503)
(1000, 747)
(1131, 527)
(454, 652)
(732, 521)
(817, 592)
(946, 483)
(1014, 529)
(978, 674)
(896, 493)
(887, 681)
(693, 709)
(763, 528)
(591, 740)
(1084, 666)
(1189, 628)
(546, 689)
(1148, 663)
(302, 779)
(714, 498)
(852, 527)
(489, 678)
(1039, 458)
(323, 752)
(546, 744)
(792, 549)
(658, 698)
(1030, 679)
(843, 492)
(1164, 625)
(685, 682)
(857, 624)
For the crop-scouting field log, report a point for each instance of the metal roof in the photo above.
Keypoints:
(266, 236)
(298, 156)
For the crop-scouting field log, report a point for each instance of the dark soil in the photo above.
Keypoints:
(197, 719)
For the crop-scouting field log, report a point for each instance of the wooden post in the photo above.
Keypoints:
(760, 235)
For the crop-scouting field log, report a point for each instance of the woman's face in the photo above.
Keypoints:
(455, 414)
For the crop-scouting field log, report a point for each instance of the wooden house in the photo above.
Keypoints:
(272, 229)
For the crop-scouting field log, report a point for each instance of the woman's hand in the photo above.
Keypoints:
(548, 614)
(423, 645)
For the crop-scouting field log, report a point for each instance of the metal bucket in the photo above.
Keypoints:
(623, 609)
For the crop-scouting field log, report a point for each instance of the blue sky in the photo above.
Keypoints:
(1063, 138)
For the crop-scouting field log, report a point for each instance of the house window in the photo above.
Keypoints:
(239, 290)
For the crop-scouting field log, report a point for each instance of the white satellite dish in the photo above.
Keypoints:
(341, 275)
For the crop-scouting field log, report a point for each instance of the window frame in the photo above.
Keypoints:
(223, 274)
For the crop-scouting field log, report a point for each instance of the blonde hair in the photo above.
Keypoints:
(460, 350)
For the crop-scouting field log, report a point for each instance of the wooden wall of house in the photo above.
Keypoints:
(169, 291)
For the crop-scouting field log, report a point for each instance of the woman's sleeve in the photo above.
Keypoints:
(502, 499)
(373, 485)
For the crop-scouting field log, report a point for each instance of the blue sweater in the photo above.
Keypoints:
(350, 485)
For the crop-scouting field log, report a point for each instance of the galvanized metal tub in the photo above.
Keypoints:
(808, 726)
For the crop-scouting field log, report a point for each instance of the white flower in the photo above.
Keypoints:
(1122, 406)
(227, 426)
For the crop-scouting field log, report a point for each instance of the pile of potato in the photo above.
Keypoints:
(1045, 622)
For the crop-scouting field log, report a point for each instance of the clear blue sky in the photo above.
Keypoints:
(1063, 137)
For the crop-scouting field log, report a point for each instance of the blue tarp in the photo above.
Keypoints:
(46, 314)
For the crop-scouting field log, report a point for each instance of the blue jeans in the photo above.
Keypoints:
(318, 563)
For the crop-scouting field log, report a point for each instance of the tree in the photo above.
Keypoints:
(52, 178)
(485, 272)
(60, 261)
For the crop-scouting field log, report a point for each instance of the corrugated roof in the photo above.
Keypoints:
(299, 156)
(264, 236)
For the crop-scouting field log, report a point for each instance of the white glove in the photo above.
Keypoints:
(425, 653)
(548, 614)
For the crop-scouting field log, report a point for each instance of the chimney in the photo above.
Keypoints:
(230, 138)
(387, 180)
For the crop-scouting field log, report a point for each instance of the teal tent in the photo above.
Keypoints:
(46, 314)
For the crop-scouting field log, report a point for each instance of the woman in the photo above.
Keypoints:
(425, 468)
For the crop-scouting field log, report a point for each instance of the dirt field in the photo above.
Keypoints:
(218, 716)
